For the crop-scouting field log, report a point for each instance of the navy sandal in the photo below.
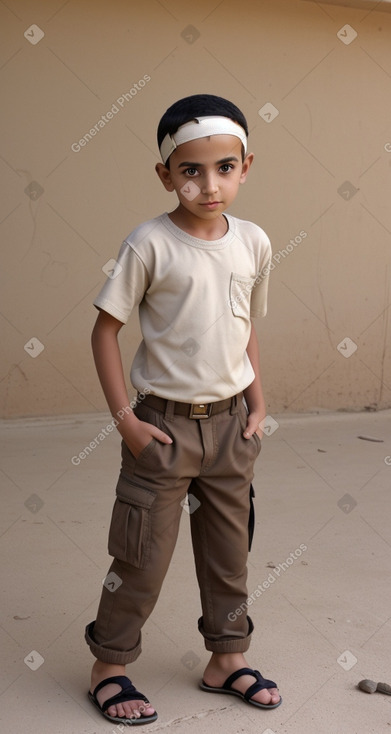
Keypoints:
(260, 684)
(128, 693)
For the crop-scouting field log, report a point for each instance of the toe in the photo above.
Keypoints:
(263, 696)
(274, 695)
(131, 711)
(120, 710)
(138, 709)
(112, 711)
(268, 696)
(146, 709)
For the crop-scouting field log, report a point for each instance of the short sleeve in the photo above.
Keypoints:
(125, 286)
(258, 307)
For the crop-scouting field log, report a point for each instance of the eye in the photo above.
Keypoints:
(191, 172)
(226, 167)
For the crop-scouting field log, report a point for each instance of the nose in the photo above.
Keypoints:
(210, 185)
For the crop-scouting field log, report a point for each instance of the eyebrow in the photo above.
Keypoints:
(192, 164)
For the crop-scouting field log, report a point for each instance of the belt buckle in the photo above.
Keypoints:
(200, 411)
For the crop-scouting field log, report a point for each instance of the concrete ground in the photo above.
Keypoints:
(320, 558)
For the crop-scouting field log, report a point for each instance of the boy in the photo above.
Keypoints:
(198, 276)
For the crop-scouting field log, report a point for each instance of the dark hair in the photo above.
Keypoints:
(198, 105)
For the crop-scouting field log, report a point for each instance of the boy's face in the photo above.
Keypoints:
(205, 174)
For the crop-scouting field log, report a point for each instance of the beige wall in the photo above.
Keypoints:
(333, 126)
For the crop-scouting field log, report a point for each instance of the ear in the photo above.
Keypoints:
(246, 167)
(165, 176)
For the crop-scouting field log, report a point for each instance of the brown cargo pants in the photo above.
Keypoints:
(211, 461)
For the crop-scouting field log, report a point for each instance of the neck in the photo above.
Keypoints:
(204, 229)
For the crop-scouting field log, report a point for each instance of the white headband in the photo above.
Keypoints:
(201, 127)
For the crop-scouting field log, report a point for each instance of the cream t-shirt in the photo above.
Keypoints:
(195, 299)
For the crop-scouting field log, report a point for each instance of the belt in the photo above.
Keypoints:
(195, 411)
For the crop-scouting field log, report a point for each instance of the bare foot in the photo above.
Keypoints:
(125, 710)
(221, 665)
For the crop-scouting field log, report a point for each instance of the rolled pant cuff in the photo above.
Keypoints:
(106, 655)
(227, 644)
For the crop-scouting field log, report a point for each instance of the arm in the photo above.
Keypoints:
(253, 393)
(136, 434)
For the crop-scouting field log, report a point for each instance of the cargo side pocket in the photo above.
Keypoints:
(130, 528)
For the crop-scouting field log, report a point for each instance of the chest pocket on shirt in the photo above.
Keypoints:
(240, 295)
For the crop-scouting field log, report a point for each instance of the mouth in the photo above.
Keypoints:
(211, 204)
